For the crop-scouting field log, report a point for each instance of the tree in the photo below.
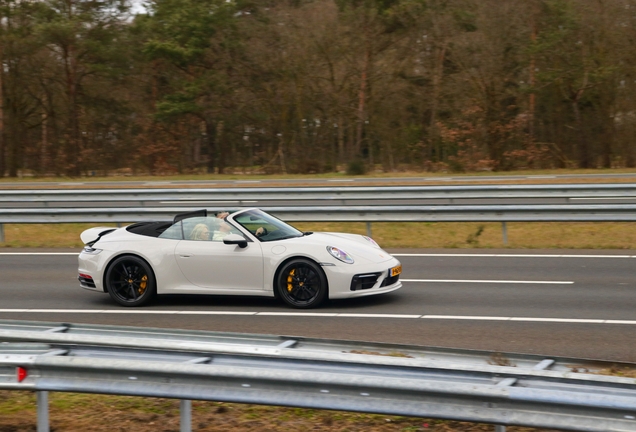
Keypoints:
(81, 35)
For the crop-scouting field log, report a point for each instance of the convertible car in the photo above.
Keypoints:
(248, 252)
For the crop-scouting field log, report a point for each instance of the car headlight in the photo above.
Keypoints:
(90, 250)
(370, 240)
(340, 254)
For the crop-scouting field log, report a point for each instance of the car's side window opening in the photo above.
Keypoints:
(173, 233)
(207, 229)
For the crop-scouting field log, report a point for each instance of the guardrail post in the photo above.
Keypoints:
(186, 415)
(500, 428)
(1, 233)
(43, 411)
(504, 228)
(369, 230)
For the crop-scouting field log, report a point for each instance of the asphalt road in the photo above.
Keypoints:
(560, 303)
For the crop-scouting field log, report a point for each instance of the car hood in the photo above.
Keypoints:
(355, 245)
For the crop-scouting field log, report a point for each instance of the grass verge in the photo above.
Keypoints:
(538, 235)
(86, 412)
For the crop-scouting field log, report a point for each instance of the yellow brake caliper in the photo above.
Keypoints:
(143, 284)
(290, 279)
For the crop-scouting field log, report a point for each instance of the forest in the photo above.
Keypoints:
(105, 87)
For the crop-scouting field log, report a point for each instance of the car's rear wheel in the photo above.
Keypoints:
(301, 283)
(130, 281)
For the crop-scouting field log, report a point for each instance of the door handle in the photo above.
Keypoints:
(185, 255)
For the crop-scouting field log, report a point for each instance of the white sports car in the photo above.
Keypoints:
(248, 252)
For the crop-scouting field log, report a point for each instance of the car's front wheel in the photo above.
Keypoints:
(301, 284)
(130, 281)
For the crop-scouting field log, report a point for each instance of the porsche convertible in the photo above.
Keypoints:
(247, 252)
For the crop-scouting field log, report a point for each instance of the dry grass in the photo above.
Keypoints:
(37, 235)
(327, 178)
(621, 371)
(540, 235)
(74, 412)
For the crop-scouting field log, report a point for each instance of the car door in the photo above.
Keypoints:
(213, 265)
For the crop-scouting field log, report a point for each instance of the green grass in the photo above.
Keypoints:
(88, 412)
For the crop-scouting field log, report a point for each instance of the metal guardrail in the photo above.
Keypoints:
(503, 389)
(342, 195)
(158, 204)
(464, 213)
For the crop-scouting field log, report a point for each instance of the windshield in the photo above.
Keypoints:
(266, 227)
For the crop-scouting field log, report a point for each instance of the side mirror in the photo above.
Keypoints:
(235, 239)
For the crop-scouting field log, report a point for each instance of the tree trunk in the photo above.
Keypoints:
(438, 72)
(584, 152)
(341, 140)
(44, 146)
(220, 126)
(211, 137)
(2, 152)
(361, 103)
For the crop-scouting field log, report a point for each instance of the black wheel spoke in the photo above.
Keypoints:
(129, 282)
(301, 285)
(122, 274)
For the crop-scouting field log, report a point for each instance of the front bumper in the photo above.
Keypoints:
(360, 281)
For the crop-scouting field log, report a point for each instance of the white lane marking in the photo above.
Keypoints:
(248, 181)
(358, 315)
(465, 317)
(602, 198)
(508, 255)
(303, 314)
(529, 319)
(395, 255)
(39, 253)
(215, 313)
(340, 180)
(591, 321)
(325, 315)
(487, 281)
(541, 177)
(204, 202)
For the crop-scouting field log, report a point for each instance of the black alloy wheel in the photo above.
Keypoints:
(301, 283)
(130, 281)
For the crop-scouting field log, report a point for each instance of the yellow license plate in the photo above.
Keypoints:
(396, 270)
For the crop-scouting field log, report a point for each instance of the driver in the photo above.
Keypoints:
(226, 228)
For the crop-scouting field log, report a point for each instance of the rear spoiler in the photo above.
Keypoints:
(91, 235)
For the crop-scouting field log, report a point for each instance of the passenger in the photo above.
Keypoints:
(200, 232)
(224, 228)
